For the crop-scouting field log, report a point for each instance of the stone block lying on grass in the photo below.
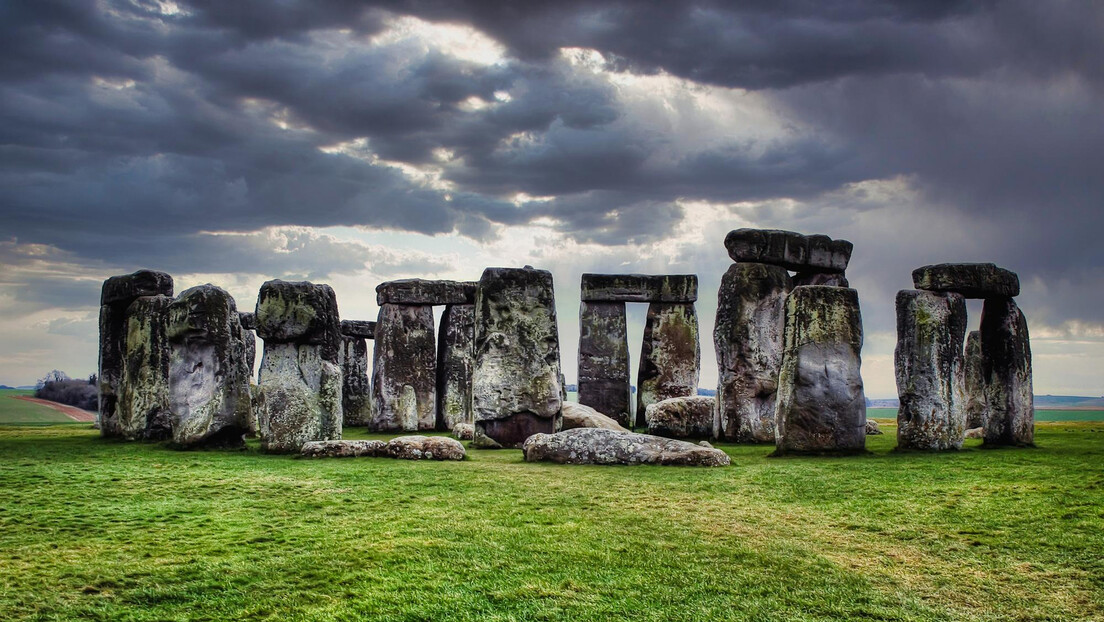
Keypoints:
(872, 428)
(682, 417)
(403, 448)
(582, 416)
(343, 449)
(464, 431)
(599, 446)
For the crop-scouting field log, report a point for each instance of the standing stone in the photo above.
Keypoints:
(1006, 371)
(670, 358)
(516, 385)
(300, 394)
(821, 406)
(404, 369)
(356, 391)
(208, 379)
(928, 364)
(974, 383)
(143, 405)
(455, 359)
(751, 305)
(604, 359)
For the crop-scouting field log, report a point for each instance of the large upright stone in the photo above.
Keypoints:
(404, 369)
(424, 292)
(604, 359)
(639, 288)
(516, 384)
(1006, 372)
(791, 250)
(751, 305)
(670, 357)
(972, 280)
(356, 391)
(974, 382)
(143, 406)
(300, 394)
(455, 360)
(208, 378)
(928, 365)
(821, 406)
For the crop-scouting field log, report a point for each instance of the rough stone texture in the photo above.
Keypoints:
(143, 405)
(832, 279)
(248, 320)
(974, 383)
(425, 448)
(404, 370)
(928, 366)
(455, 359)
(639, 288)
(517, 385)
(358, 328)
(821, 406)
(600, 446)
(683, 417)
(582, 416)
(464, 431)
(670, 357)
(1006, 372)
(343, 449)
(872, 428)
(972, 280)
(424, 292)
(209, 395)
(356, 391)
(789, 249)
(975, 433)
(747, 337)
(123, 289)
(604, 359)
(300, 394)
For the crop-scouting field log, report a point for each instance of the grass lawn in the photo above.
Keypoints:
(20, 412)
(99, 530)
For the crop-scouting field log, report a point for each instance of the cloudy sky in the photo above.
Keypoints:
(354, 142)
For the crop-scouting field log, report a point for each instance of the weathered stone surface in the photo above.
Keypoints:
(1006, 372)
(604, 359)
(683, 417)
(975, 433)
(670, 357)
(356, 391)
(248, 320)
(972, 280)
(872, 428)
(125, 288)
(425, 292)
(788, 249)
(299, 312)
(464, 431)
(747, 337)
(831, 279)
(343, 449)
(209, 394)
(143, 406)
(639, 288)
(600, 446)
(821, 405)
(425, 448)
(455, 359)
(517, 384)
(358, 328)
(929, 370)
(974, 384)
(582, 416)
(404, 370)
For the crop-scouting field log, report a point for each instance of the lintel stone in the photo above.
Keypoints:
(640, 287)
(426, 292)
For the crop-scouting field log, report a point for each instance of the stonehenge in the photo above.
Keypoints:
(455, 354)
(142, 408)
(601, 446)
(356, 391)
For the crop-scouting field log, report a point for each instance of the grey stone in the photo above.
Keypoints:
(143, 406)
(670, 357)
(248, 320)
(464, 431)
(356, 391)
(404, 370)
(123, 289)
(209, 395)
(299, 312)
(358, 328)
(582, 416)
(604, 359)
(1006, 371)
(974, 383)
(789, 249)
(517, 383)
(928, 366)
(821, 405)
(975, 433)
(425, 292)
(425, 448)
(683, 417)
(872, 428)
(972, 280)
(600, 446)
(639, 287)
(343, 449)
(832, 279)
(747, 337)
(455, 359)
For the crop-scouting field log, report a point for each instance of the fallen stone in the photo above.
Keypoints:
(705, 444)
(604, 359)
(455, 359)
(425, 448)
(972, 280)
(582, 416)
(600, 446)
(356, 391)
(424, 292)
(360, 329)
(343, 449)
(124, 289)
(974, 382)
(788, 249)
(682, 417)
(747, 337)
(639, 287)
(143, 406)
(872, 428)
(831, 279)
(464, 431)
(670, 357)
(1006, 372)
(975, 433)
(821, 405)
(404, 370)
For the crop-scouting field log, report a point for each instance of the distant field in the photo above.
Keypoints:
(1040, 414)
(19, 412)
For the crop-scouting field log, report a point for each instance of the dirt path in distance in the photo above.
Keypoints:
(74, 413)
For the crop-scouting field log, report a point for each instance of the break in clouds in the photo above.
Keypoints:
(211, 137)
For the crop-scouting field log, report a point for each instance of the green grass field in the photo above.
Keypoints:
(1040, 414)
(19, 412)
(98, 530)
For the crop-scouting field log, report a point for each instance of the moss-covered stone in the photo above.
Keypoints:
(1006, 373)
(455, 361)
(604, 359)
(670, 356)
(143, 407)
(404, 370)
